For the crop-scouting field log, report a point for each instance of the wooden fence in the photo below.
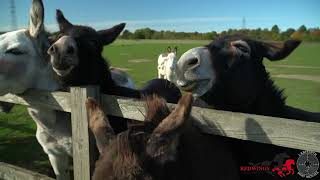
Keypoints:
(278, 131)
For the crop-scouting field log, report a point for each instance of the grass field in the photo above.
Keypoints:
(17, 131)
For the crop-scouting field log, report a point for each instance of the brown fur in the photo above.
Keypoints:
(167, 146)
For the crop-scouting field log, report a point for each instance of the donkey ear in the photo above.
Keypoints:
(169, 49)
(164, 140)
(99, 124)
(36, 18)
(175, 50)
(64, 24)
(277, 50)
(109, 35)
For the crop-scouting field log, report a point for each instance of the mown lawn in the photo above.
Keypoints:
(18, 144)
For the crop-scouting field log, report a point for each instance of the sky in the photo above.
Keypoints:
(177, 15)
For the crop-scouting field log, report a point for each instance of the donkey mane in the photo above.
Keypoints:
(126, 160)
(126, 147)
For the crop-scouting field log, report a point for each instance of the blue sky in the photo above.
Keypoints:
(178, 15)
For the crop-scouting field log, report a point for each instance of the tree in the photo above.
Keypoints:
(302, 29)
(139, 34)
(275, 29)
(275, 32)
(126, 34)
(311, 34)
(286, 34)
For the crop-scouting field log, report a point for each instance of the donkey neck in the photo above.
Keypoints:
(101, 75)
(108, 85)
(267, 101)
(270, 101)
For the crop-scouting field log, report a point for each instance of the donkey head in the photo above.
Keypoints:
(131, 154)
(232, 61)
(79, 45)
(23, 54)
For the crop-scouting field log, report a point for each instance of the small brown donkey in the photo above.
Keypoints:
(167, 146)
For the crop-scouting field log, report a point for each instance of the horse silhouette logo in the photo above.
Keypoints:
(286, 169)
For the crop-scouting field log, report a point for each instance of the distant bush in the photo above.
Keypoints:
(302, 33)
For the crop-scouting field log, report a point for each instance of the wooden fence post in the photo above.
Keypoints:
(82, 147)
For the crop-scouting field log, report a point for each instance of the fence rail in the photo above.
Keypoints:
(278, 131)
(8, 171)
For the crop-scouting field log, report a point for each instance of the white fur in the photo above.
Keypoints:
(63, 72)
(53, 134)
(199, 78)
(31, 71)
(166, 66)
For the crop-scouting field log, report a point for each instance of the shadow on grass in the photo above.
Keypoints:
(25, 152)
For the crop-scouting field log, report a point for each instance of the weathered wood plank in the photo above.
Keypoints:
(52, 100)
(278, 131)
(82, 150)
(11, 172)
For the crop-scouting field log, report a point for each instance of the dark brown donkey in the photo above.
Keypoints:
(77, 61)
(229, 74)
(167, 146)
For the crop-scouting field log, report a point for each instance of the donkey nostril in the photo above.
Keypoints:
(52, 49)
(70, 50)
(193, 61)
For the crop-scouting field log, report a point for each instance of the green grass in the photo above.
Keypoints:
(122, 52)
(18, 144)
(301, 93)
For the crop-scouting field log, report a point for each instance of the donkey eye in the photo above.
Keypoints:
(14, 51)
(242, 48)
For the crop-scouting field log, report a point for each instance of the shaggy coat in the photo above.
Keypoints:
(167, 146)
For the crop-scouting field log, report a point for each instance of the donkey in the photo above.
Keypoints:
(167, 64)
(24, 64)
(76, 59)
(167, 146)
(229, 75)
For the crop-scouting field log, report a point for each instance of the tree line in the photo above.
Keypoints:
(303, 33)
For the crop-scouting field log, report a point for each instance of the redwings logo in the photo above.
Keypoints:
(282, 165)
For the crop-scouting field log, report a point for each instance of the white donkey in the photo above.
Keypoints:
(24, 64)
(167, 64)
